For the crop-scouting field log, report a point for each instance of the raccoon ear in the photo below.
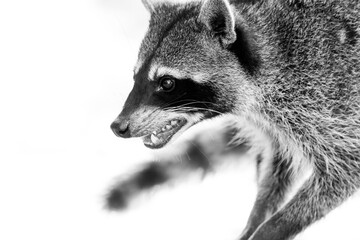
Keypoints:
(218, 17)
(149, 5)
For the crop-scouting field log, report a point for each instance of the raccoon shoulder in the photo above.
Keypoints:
(310, 71)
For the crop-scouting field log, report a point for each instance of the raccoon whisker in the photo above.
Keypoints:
(181, 109)
(192, 101)
(166, 104)
(178, 108)
(184, 105)
(173, 101)
(189, 104)
(193, 109)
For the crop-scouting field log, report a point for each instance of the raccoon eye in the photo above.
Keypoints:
(167, 84)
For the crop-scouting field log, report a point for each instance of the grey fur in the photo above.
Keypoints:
(299, 87)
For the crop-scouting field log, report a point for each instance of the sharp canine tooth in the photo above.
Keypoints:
(154, 132)
(168, 127)
(155, 140)
(173, 122)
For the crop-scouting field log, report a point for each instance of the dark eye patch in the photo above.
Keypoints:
(190, 96)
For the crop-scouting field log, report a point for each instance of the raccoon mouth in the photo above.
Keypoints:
(161, 137)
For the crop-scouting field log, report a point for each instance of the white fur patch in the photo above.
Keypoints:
(138, 65)
(157, 71)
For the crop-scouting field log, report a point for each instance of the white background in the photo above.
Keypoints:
(65, 71)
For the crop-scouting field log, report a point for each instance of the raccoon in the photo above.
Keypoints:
(281, 78)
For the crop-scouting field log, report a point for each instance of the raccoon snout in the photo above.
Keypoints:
(120, 127)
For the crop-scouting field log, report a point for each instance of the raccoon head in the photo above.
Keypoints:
(188, 70)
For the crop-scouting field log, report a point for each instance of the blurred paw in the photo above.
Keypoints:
(149, 176)
(116, 200)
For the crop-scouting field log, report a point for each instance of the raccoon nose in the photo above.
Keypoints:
(121, 128)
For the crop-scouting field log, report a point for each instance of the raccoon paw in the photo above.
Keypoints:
(143, 180)
(116, 200)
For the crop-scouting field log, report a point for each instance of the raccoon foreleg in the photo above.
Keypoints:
(315, 199)
(272, 189)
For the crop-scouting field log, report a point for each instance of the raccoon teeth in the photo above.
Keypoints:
(155, 140)
(154, 133)
(167, 127)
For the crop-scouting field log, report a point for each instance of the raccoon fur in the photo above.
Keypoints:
(282, 80)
